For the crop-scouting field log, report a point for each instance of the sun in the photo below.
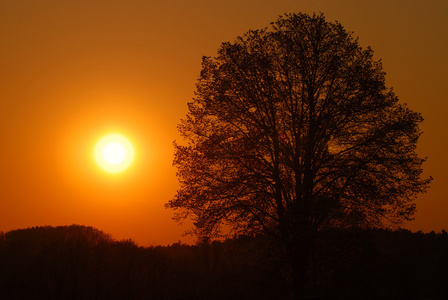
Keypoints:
(114, 153)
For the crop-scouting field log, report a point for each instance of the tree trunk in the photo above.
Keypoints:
(299, 258)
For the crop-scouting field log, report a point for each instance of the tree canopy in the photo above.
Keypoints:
(293, 126)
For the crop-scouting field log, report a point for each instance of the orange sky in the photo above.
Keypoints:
(73, 71)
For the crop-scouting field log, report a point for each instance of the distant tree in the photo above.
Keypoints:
(292, 130)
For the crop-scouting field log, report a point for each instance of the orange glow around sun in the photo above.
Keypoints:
(114, 153)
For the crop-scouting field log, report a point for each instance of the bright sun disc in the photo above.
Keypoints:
(114, 153)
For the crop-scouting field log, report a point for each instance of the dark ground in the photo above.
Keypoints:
(79, 262)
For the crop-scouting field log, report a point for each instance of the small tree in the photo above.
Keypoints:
(292, 131)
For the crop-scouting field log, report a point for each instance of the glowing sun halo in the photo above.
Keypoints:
(114, 153)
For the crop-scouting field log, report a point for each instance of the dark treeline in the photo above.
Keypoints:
(79, 262)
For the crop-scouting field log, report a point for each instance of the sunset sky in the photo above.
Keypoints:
(72, 72)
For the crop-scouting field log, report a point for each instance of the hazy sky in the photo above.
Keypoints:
(73, 71)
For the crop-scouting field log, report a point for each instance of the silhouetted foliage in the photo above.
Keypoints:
(78, 262)
(293, 132)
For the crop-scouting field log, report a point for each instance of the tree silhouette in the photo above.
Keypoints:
(292, 131)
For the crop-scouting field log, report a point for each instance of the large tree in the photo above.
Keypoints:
(293, 130)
